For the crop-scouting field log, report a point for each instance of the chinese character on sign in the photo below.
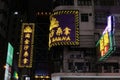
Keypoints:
(26, 41)
(26, 47)
(25, 54)
(27, 35)
(67, 31)
(59, 31)
(25, 60)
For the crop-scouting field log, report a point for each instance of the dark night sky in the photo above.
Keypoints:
(24, 5)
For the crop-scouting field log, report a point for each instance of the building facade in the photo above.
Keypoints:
(81, 61)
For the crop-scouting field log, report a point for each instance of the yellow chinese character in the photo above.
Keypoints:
(52, 33)
(26, 47)
(101, 44)
(26, 41)
(59, 31)
(27, 29)
(106, 39)
(25, 54)
(25, 60)
(67, 31)
(27, 35)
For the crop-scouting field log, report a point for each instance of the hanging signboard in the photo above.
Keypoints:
(64, 28)
(26, 45)
(106, 44)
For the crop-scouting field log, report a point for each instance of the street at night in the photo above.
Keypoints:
(60, 39)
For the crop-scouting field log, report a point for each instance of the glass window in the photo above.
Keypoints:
(70, 64)
(63, 2)
(100, 18)
(118, 2)
(68, 2)
(79, 65)
(106, 2)
(72, 56)
(78, 56)
(84, 2)
(84, 17)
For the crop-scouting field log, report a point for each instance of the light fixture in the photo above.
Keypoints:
(15, 13)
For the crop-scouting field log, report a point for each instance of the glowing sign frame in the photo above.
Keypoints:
(64, 19)
(111, 41)
(26, 45)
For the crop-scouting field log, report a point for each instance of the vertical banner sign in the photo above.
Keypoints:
(9, 61)
(10, 52)
(106, 44)
(26, 45)
(64, 28)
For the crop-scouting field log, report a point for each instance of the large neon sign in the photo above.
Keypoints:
(106, 44)
(9, 61)
(26, 46)
(64, 28)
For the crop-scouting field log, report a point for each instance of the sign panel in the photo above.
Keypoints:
(7, 72)
(106, 44)
(64, 28)
(9, 54)
(9, 61)
(26, 45)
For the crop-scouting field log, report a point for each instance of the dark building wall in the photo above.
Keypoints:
(3, 52)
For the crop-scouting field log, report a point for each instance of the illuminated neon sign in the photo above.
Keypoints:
(26, 45)
(106, 44)
(9, 61)
(64, 28)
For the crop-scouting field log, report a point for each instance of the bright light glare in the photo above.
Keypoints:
(15, 12)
